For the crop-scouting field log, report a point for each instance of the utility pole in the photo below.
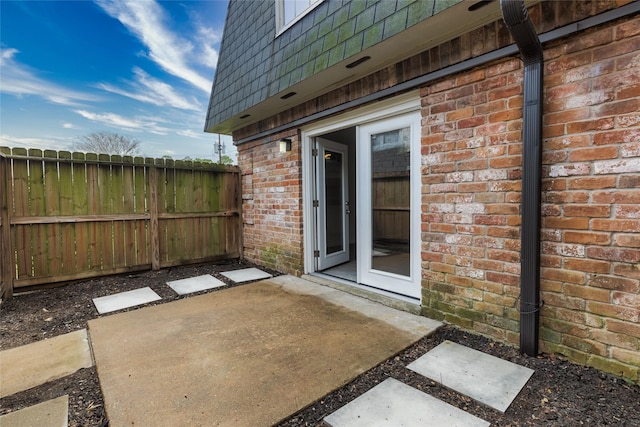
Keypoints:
(219, 149)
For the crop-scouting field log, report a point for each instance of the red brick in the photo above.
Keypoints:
(508, 232)
(587, 237)
(617, 166)
(587, 265)
(459, 92)
(554, 184)
(616, 108)
(615, 283)
(627, 29)
(506, 162)
(627, 211)
(566, 197)
(617, 196)
(628, 240)
(631, 314)
(618, 340)
(599, 153)
(555, 130)
(507, 279)
(552, 299)
(568, 90)
(567, 142)
(627, 270)
(567, 62)
(623, 225)
(625, 299)
(632, 91)
(614, 254)
(617, 49)
(629, 181)
(628, 120)
(587, 292)
(566, 223)
(567, 116)
(564, 275)
(603, 211)
(589, 183)
(459, 114)
(622, 327)
(590, 125)
(630, 150)
(472, 122)
(616, 136)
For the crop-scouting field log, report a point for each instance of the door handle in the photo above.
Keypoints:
(347, 209)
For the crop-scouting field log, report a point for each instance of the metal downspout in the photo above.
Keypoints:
(517, 20)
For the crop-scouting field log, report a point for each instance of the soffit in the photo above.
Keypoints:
(432, 31)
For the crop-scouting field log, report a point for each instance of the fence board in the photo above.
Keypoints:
(6, 251)
(68, 216)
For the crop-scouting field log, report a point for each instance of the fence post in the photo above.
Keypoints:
(154, 228)
(6, 264)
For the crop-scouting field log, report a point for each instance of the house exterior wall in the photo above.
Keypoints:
(272, 203)
(471, 188)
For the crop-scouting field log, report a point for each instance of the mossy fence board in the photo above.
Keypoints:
(68, 216)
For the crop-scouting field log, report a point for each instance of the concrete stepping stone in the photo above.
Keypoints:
(31, 365)
(484, 378)
(246, 274)
(124, 300)
(52, 413)
(195, 284)
(393, 403)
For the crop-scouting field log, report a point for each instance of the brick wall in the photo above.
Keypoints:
(272, 204)
(591, 199)
(471, 144)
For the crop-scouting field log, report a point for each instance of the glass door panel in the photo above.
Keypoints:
(391, 201)
(388, 204)
(332, 204)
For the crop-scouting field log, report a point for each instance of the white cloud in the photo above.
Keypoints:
(190, 134)
(132, 124)
(69, 126)
(19, 80)
(153, 91)
(43, 144)
(146, 20)
(207, 38)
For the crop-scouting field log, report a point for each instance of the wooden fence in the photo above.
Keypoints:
(68, 216)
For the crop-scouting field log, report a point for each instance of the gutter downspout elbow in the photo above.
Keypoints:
(521, 28)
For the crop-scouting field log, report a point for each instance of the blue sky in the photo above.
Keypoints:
(140, 68)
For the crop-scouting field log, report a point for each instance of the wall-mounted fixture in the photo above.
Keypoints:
(285, 145)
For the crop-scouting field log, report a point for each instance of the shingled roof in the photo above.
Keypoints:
(257, 66)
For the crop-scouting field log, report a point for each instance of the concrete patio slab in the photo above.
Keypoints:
(485, 378)
(245, 356)
(246, 275)
(195, 284)
(123, 300)
(393, 403)
(30, 365)
(52, 413)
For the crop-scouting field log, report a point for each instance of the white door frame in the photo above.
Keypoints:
(402, 104)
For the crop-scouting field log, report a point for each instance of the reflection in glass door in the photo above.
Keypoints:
(391, 201)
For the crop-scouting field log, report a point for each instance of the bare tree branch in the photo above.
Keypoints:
(107, 143)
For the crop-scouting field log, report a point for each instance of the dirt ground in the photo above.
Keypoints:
(558, 394)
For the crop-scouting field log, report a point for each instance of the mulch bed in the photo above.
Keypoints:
(559, 393)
